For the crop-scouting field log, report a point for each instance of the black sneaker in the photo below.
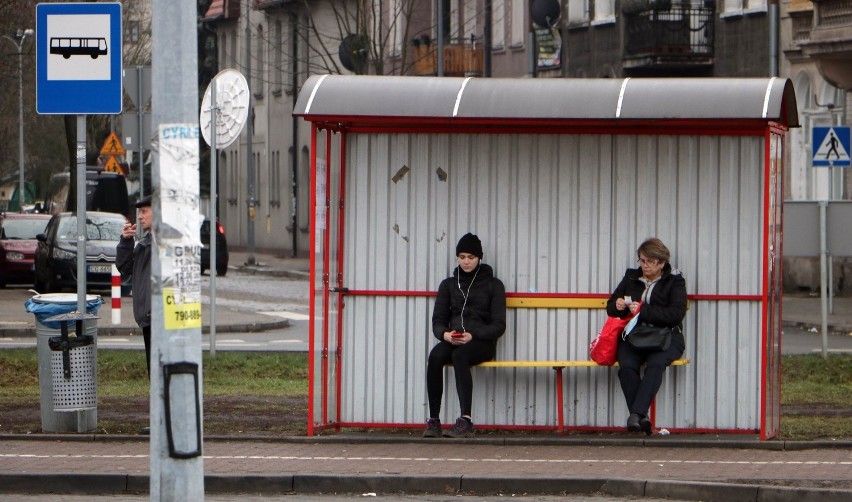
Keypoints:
(433, 428)
(463, 428)
(646, 426)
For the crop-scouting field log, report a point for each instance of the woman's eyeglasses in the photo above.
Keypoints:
(645, 261)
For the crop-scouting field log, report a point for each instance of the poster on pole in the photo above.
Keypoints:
(180, 240)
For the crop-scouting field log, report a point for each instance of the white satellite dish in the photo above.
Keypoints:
(232, 105)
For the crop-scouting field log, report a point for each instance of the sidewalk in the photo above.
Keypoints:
(685, 468)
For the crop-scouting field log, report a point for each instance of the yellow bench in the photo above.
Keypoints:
(515, 300)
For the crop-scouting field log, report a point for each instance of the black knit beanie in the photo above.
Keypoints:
(469, 243)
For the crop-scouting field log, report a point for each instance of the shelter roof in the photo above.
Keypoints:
(394, 99)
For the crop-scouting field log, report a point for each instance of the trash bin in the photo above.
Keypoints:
(73, 414)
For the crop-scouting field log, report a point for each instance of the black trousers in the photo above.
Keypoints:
(641, 388)
(462, 357)
(146, 337)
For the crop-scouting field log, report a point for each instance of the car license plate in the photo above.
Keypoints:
(100, 269)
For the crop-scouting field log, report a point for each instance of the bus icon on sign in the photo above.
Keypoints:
(78, 46)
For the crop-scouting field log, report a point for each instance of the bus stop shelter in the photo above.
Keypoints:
(562, 179)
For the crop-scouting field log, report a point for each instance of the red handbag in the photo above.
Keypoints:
(603, 348)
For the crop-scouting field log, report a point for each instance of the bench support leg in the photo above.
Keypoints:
(560, 420)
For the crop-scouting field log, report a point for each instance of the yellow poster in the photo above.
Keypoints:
(180, 315)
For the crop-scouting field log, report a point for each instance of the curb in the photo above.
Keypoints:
(658, 442)
(115, 484)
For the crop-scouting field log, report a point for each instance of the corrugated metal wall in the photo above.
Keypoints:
(556, 213)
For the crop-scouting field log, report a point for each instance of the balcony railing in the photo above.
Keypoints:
(676, 34)
(461, 59)
(834, 13)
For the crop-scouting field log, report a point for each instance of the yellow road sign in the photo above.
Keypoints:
(113, 166)
(112, 146)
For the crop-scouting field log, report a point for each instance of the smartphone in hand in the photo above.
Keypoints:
(457, 334)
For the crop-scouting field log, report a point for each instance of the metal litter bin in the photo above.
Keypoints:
(70, 405)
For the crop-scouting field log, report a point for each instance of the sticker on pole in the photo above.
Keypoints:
(831, 146)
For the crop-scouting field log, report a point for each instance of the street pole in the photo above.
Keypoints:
(18, 41)
(176, 411)
(250, 259)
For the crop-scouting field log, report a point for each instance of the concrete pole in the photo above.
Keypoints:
(177, 467)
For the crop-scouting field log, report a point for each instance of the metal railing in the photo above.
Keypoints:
(681, 32)
(461, 58)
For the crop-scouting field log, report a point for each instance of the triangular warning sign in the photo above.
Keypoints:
(112, 146)
(831, 149)
(113, 166)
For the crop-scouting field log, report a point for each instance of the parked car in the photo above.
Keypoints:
(18, 245)
(222, 255)
(56, 254)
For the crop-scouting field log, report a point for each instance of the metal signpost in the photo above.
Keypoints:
(78, 72)
(831, 148)
(224, 113)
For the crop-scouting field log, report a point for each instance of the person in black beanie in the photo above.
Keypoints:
(468, 319)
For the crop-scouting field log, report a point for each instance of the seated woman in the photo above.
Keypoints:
(662, 292)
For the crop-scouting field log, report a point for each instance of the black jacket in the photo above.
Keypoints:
(484, 315)
(135, 262)
(667, 305)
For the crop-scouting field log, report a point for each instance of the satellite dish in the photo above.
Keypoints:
(353, 53)
(545, 13)
(232, 103)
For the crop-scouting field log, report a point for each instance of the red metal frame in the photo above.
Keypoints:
(340, 300)
(312, 278)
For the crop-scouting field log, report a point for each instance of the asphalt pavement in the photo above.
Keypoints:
(684, 467)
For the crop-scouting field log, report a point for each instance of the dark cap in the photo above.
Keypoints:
(144, 202)
(469, 243)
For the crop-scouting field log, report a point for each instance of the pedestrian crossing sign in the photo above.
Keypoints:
(831, 146)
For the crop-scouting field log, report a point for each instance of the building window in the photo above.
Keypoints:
(277, 69)
(289, 53)
(519, 24)
(498, 24)
(397, 27)
(468, 30)
(740, 7)
(578, 13)
(604, 12)
(274, 181)
(131, 35)
(233, 56)
(260, 57)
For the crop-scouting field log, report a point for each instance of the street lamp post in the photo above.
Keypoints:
(18, 40)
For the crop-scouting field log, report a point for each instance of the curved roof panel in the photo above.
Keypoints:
(449, 99)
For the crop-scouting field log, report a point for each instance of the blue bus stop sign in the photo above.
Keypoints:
(831, 146)
(78, 58)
